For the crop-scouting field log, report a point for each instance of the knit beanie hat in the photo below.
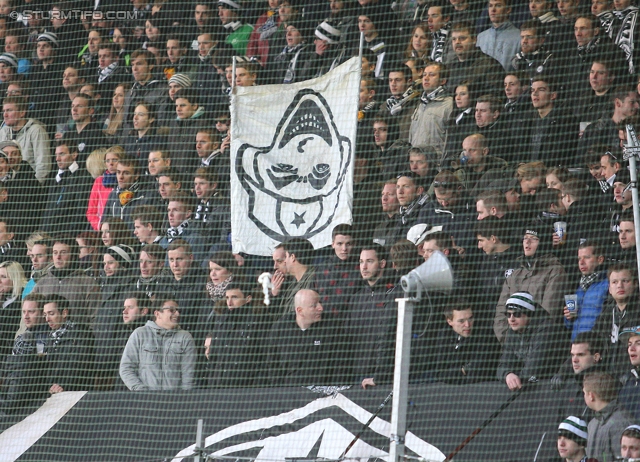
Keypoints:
(49, 37)
(230, 4)
(181, 79)
(123, 254)
(521, 301)
(328, 31)
(575, 429)
(10, 59)
(544, 233)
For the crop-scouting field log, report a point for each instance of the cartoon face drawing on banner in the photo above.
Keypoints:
(294, 185)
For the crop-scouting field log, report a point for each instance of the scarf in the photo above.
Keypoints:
(177, 231)
(11, 174)
(57, 335)
(148, 285)
(584, 51)
(462, 114)
(290, 74)
(607, 23)
(207, 162)
(439, 43)
(627, 19)
(218, 291)
(5, 248)
(270, 26)
(362, 113)
(62, 173)
(588, 280)
(107, 71)
(405, 212)
(203, 210)
(426, 98)
(109, 180)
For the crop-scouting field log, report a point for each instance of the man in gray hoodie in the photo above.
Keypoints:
(160, 355)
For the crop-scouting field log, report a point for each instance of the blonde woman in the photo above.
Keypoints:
(102, 186)
(12, 281)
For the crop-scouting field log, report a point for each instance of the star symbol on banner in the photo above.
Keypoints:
(298, 220)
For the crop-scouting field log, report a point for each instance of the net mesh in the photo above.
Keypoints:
(206, 209)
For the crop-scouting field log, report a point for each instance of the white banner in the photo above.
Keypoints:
(292, 155)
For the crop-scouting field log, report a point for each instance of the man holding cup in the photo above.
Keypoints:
(591, 293)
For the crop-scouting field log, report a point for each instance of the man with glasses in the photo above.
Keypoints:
(532, 343)
(540, 273)
(170, 364)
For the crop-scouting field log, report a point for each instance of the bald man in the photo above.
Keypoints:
(304, 345)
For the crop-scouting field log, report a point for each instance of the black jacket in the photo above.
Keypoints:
(305, 357)
(337, 281)
(237, 352)
(554, 139)
(477, 355)
(370, 326)
(67, 201)
(70, 359)
(533, 353)
(479, 68)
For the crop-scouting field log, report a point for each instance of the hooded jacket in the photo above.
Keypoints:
(605, 430)
(543, 277)
(158, 359)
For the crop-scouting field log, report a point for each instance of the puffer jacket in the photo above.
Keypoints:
(158, 359)
(544, 278)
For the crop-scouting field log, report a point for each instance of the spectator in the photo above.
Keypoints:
(554, 131)
(472, 64)
(184, 129)
(338, 275)
(237, 352)
(39, 252)
(303, 345)
(502, 40)
(592, 291)
(439, 21)
(621, 311)
(102, 187)
(369, 323)
(144, 137)
(587, 356)
(531, 344)
(384, 232)
(479, 167)
(236, 31)
(463, 355)
(605, 429)
(11, 247)
(66, 279)
(172, 365)
(212, 215)
(628, 395)
(534, 58)
(67, 192)
(298, 264)
(69, 349)
(29, 134)
(630, 442)
(498, 262)
(187, 285)
(540, 274)
(572, 440)
(23, 376)
(117, 277)
(152, 270)
(12, 283)
(428, 120)
(462, 122)
(329, 51)
(180, 209)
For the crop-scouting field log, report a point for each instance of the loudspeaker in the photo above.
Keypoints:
(434, 274)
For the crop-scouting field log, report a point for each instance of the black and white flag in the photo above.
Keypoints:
(292, 160)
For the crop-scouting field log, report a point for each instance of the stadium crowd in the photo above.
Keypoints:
(491, 132)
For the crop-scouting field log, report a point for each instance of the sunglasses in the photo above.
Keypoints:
(515, 314)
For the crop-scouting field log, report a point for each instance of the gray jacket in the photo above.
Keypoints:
(605, 431)
(428, 123)
(158, 359)
(34, 144)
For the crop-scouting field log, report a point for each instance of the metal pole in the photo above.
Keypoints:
(632, 142)
(198, 441)
(401, 380)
